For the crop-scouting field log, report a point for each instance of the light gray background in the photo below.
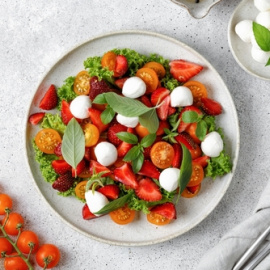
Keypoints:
(34, 34)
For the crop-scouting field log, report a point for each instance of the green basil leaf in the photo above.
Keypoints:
(100, 99)
(132, 154)
(126, 106)
(262, 36)
(107, 115)
(190, 117)
(185, 169)
(137, 163)
(201, 129)
(150, 120)
(113, 205)
(127, 137)
(73, 143)
(268, 62)
(148, 140)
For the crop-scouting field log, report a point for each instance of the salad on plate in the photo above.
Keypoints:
(130, 133)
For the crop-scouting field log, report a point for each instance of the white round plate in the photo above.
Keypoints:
(242, 51)
(190, 211)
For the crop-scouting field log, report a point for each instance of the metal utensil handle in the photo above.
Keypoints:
(252, 249)
(259, 257)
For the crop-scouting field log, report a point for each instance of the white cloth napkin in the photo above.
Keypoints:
(234, 243)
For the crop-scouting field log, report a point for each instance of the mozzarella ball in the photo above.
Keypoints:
(106, 153)
(95, 201)
(181, 96)
(259, 55)
(134, 87)
(131, 122)
(263, 18)
(212, 144)
(262, 5)
(254, 42)
(244, 30)
(168, 179)
(79, 107)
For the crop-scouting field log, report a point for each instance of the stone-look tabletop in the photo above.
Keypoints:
(34, 34)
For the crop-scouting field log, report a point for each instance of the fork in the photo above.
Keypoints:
(252, 249)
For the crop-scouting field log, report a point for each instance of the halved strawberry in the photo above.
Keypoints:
(211, 106)
(35, 118)
(66, 114)
(57, 150)
(64, 182)
(95, 118)
(183, 70)
(86, 213)
(60, 166)
(98, 87)
(124, 147)
(166, 210)
(120, 82)
(163, 109)
(50, 99)
(146, 101)
(158, 95)
(183, 126)
(110, 191)
(96, 167)
(125, 175)
(148, 190)
(112, 131)
(186, 140)
(79, 169)
(177, 155)
(149, 169)
(121, 66)
(203, 161)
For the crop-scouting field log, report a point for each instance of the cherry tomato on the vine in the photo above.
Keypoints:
(5, 202)
(5, 246)
(48, 254)
(15, 263)
(26, 240)
(14, 221)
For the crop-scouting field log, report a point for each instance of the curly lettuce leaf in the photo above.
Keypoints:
(45, 162)
(94, 68)
(53, 121)
(65, 92)
(218, 166)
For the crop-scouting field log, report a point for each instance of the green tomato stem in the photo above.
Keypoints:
(14, 244)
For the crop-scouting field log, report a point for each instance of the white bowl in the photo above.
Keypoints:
(197, 8)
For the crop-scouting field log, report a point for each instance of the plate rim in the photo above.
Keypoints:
(125, 243)
(229, 36)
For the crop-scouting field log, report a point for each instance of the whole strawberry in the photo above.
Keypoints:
(64, 182)
(97, 87)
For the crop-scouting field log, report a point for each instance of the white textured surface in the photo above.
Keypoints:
(34, 35)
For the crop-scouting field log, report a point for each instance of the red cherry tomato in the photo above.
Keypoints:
(5, 202)
(15, 263)
(5, 246)
(48, 255)
(12, 223)
(26, 240)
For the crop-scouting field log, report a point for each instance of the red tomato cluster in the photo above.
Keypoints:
(18, 245)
